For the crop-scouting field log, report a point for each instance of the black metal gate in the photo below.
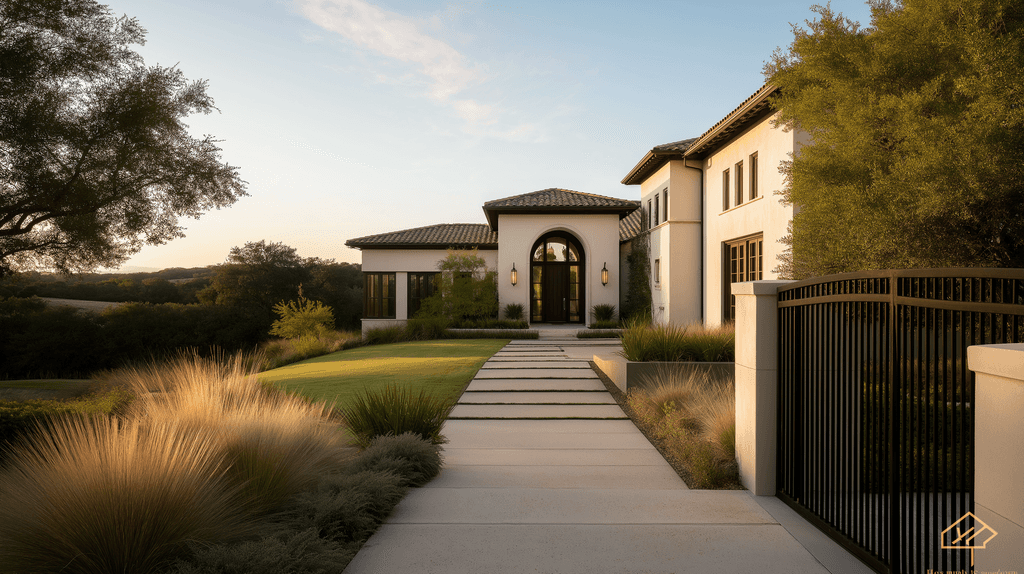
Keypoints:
(875, 428)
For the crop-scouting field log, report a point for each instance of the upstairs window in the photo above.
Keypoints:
(650, 213)
(739, 183)
(656, 210)
(725, 190)
(664, 203)
(753, 175)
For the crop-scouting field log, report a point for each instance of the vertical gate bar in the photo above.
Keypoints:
(844, 424)
(894, 516)
(931, 517)
(919, 450)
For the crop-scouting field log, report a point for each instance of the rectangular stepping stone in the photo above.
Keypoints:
(538, 412)
(586, 548)
(523, 364)
(536, 385)
(541, 358)
(547, 457)
(549, 398)
(587, 373)
(586, 438)
(457, 430)
(584, 506)
(501, 476)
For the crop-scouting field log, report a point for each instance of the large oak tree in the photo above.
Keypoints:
(95, 160)
(917, 123)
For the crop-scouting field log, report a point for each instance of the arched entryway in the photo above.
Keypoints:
(557, 270)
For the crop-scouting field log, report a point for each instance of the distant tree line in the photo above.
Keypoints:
(228, 306)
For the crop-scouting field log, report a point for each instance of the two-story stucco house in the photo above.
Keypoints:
(707, 202)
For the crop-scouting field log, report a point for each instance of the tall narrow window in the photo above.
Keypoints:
(725, 190)
(657, 211)
(664, 203)
(421, 286)
(657, 271)
(378, 295)
(739, 183)
(743, 261)
(753, 175)
(650, 212)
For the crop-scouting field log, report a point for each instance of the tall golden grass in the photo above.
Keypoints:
(203, 450)
(695, 417)
(670, 342)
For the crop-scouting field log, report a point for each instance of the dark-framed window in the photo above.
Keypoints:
(739, 183)
(753, 175)
(657, 211)
(725, 190)
(664, 203)
(743, 261)
(378, 295)
(650, 213)
(421, 286)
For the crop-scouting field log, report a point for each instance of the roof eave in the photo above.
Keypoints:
(649, 164)
(708, 141)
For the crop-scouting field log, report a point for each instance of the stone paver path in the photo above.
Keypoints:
(545, 473)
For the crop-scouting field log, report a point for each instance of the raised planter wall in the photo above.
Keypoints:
(633, 374)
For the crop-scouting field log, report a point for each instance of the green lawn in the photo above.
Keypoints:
(440, 367)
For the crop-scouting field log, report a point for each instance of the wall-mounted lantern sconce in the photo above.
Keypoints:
(515, 274)
(604, 275)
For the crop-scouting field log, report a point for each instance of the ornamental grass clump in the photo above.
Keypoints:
(668, 342)
(694, 419)
(277, 444)
(394, 410)
(98, 495)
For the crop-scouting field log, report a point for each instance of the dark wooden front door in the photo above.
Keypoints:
(556, 293)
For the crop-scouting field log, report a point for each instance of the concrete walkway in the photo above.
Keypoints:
(545, 473)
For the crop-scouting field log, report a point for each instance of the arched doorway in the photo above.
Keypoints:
(557, 269)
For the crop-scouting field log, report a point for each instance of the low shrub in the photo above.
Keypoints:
(414, 459)
(492, 324)
(426, 328)
(514, 311)
(394, 410)
(609, 324)
(323, 527)
(494, 334)
(598, 334)
(603, 312)
(289, 552)
(667, 342)
(281, 352)
(384, 335)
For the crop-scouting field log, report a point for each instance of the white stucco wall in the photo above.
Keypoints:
(598, 235)
(401, 262)
(676, 243)
(763, 214)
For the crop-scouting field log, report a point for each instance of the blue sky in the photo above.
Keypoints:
(354, 117)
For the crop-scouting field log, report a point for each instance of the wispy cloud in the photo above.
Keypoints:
(397, 37)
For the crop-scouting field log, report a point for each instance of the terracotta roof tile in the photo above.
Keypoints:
(561, 198)
(629, 227)
(438, 236)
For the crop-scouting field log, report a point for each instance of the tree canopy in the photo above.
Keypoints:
(95, 160)
(917, 158)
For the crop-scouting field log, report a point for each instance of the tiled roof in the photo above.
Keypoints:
(555, 200)
(555, 197)
(737, 120)
(629, 226)
(440, 236)
(655, 158)
(681, 145)
(752, 109)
